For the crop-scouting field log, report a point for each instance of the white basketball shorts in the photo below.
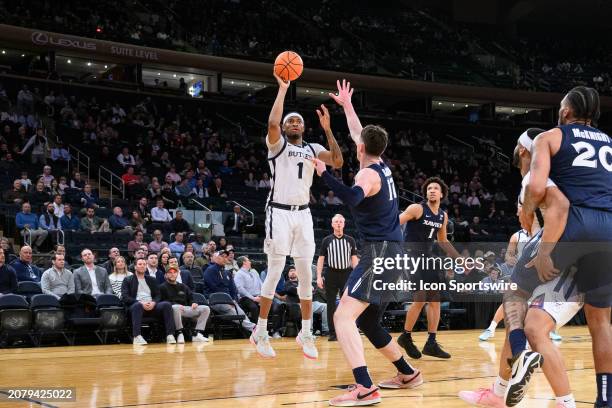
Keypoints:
(289, 233)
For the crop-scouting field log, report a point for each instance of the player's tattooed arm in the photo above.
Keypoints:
(343, 98)
(276, 114)
(333, 156)
(515, 309)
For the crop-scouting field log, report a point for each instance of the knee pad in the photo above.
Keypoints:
(369, 324)
(303, 268)
(276, 263)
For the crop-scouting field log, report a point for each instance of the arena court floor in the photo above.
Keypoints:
(228, 373)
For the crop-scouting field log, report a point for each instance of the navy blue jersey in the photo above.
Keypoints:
(582, 168)
(377, 216)
(424, 229)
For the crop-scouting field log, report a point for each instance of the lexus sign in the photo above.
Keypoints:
(40, 38)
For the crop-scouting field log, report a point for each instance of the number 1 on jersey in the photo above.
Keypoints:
(431, 232)
(300, 168)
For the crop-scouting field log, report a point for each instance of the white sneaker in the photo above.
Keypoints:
(171, 340)
(180, 339)
(276, 335)
(262, 344)
(307, 341)
(486, 335)
(199, 338)
(554, 336)
(139, 340)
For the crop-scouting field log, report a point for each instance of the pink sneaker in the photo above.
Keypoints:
(357, 396)
(483, 397)
(403, 381)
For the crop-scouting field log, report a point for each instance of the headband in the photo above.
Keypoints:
(526, 141)
(290, 115)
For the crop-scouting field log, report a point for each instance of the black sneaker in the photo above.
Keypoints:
(434, 350)
(332, 337)
(407, 344)
(523, 365)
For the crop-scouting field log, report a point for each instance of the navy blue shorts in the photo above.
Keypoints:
(585, 243)
(369, 281)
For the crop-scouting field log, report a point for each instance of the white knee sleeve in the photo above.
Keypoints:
(276, 263)
(303, 267)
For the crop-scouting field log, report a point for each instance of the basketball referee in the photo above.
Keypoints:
(339, 252)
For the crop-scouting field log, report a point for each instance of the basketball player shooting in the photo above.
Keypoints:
(289, 228)
(374, 205)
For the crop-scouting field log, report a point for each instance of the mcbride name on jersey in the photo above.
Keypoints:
(582, 168)
(292, 171)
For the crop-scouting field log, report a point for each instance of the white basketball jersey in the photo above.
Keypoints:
(549, 183)
(523, 238)
(292, 171)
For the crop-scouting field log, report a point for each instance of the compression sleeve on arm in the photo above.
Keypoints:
(349, 195)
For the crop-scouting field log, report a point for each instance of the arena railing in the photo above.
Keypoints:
(410, 196)
(114, 181)
(251, 213)
(207, 212)
(80, 158)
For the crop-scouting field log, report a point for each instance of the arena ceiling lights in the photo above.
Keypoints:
(452, 106)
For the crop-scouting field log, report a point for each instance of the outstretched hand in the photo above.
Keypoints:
(319, 166)
(345, 92)
(324, 118)
(281, 82)
(545, 267)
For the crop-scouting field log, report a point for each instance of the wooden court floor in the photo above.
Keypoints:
(228, 373)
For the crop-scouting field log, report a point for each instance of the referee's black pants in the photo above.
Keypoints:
(335, 279)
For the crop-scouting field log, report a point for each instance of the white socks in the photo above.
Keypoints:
(492, 326)
(306, 326)
(262, 326)
(499, 386)
(567, 401)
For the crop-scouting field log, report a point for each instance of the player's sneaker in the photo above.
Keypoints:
(554, 336)
(486, 335)
(262, 344)
(199, 338)
(307, 342)
(139, 340)
(434, 350)
(357, 396)
(523, 365)
(407, 344)
(180, 339)
(403, 381)
(483, 397)
(171, 340)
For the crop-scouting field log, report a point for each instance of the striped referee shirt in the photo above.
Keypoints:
(338, 251)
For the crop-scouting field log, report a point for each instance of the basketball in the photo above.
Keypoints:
(288, 65)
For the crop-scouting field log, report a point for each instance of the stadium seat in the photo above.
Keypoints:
(223, 322)
(28, 289)
(113, 318)
(15, 317)
(200, 299)
(48, 318)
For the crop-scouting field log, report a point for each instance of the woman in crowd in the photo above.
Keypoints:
(119, 274)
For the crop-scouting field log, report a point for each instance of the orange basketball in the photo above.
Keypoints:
(288, 65)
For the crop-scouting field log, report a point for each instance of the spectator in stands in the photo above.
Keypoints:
(39, 197)
(251, 181)
(76, 182)
(331, 199)
(290, 290)
(137, 223)
(493, 275)
(248, 285)
(217, 279)
(92, 223)
(160, 215)
(69, 221)
(120, 272)
(198, 245)
(179, 224)
(184, 275)
(88, 198)
(265, 181)
(89, 278)
(16, 195)
(153, 268)
(118, 222)
(181, 298)
(173, 176)
(217, 190)
(6, 246)
(39, 145)
(58, 205)
(235, 223)
(177, 247)
(136, 242)
(8, 276)
(46, 176)
(232, 264)
(61, 250)
(125, 159)
(132, 182)
(141, 293)
(158, 243)
(183, 190)
(50, 222)
(59, 154)
(63, 185)
(222, 243)
(25, 269)
(57, 280)
(473, 200)
(109, 265)
(188, 264)
(143, 209)
(199, 191)
(476, 229)
(27, 224)
(25, 181)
